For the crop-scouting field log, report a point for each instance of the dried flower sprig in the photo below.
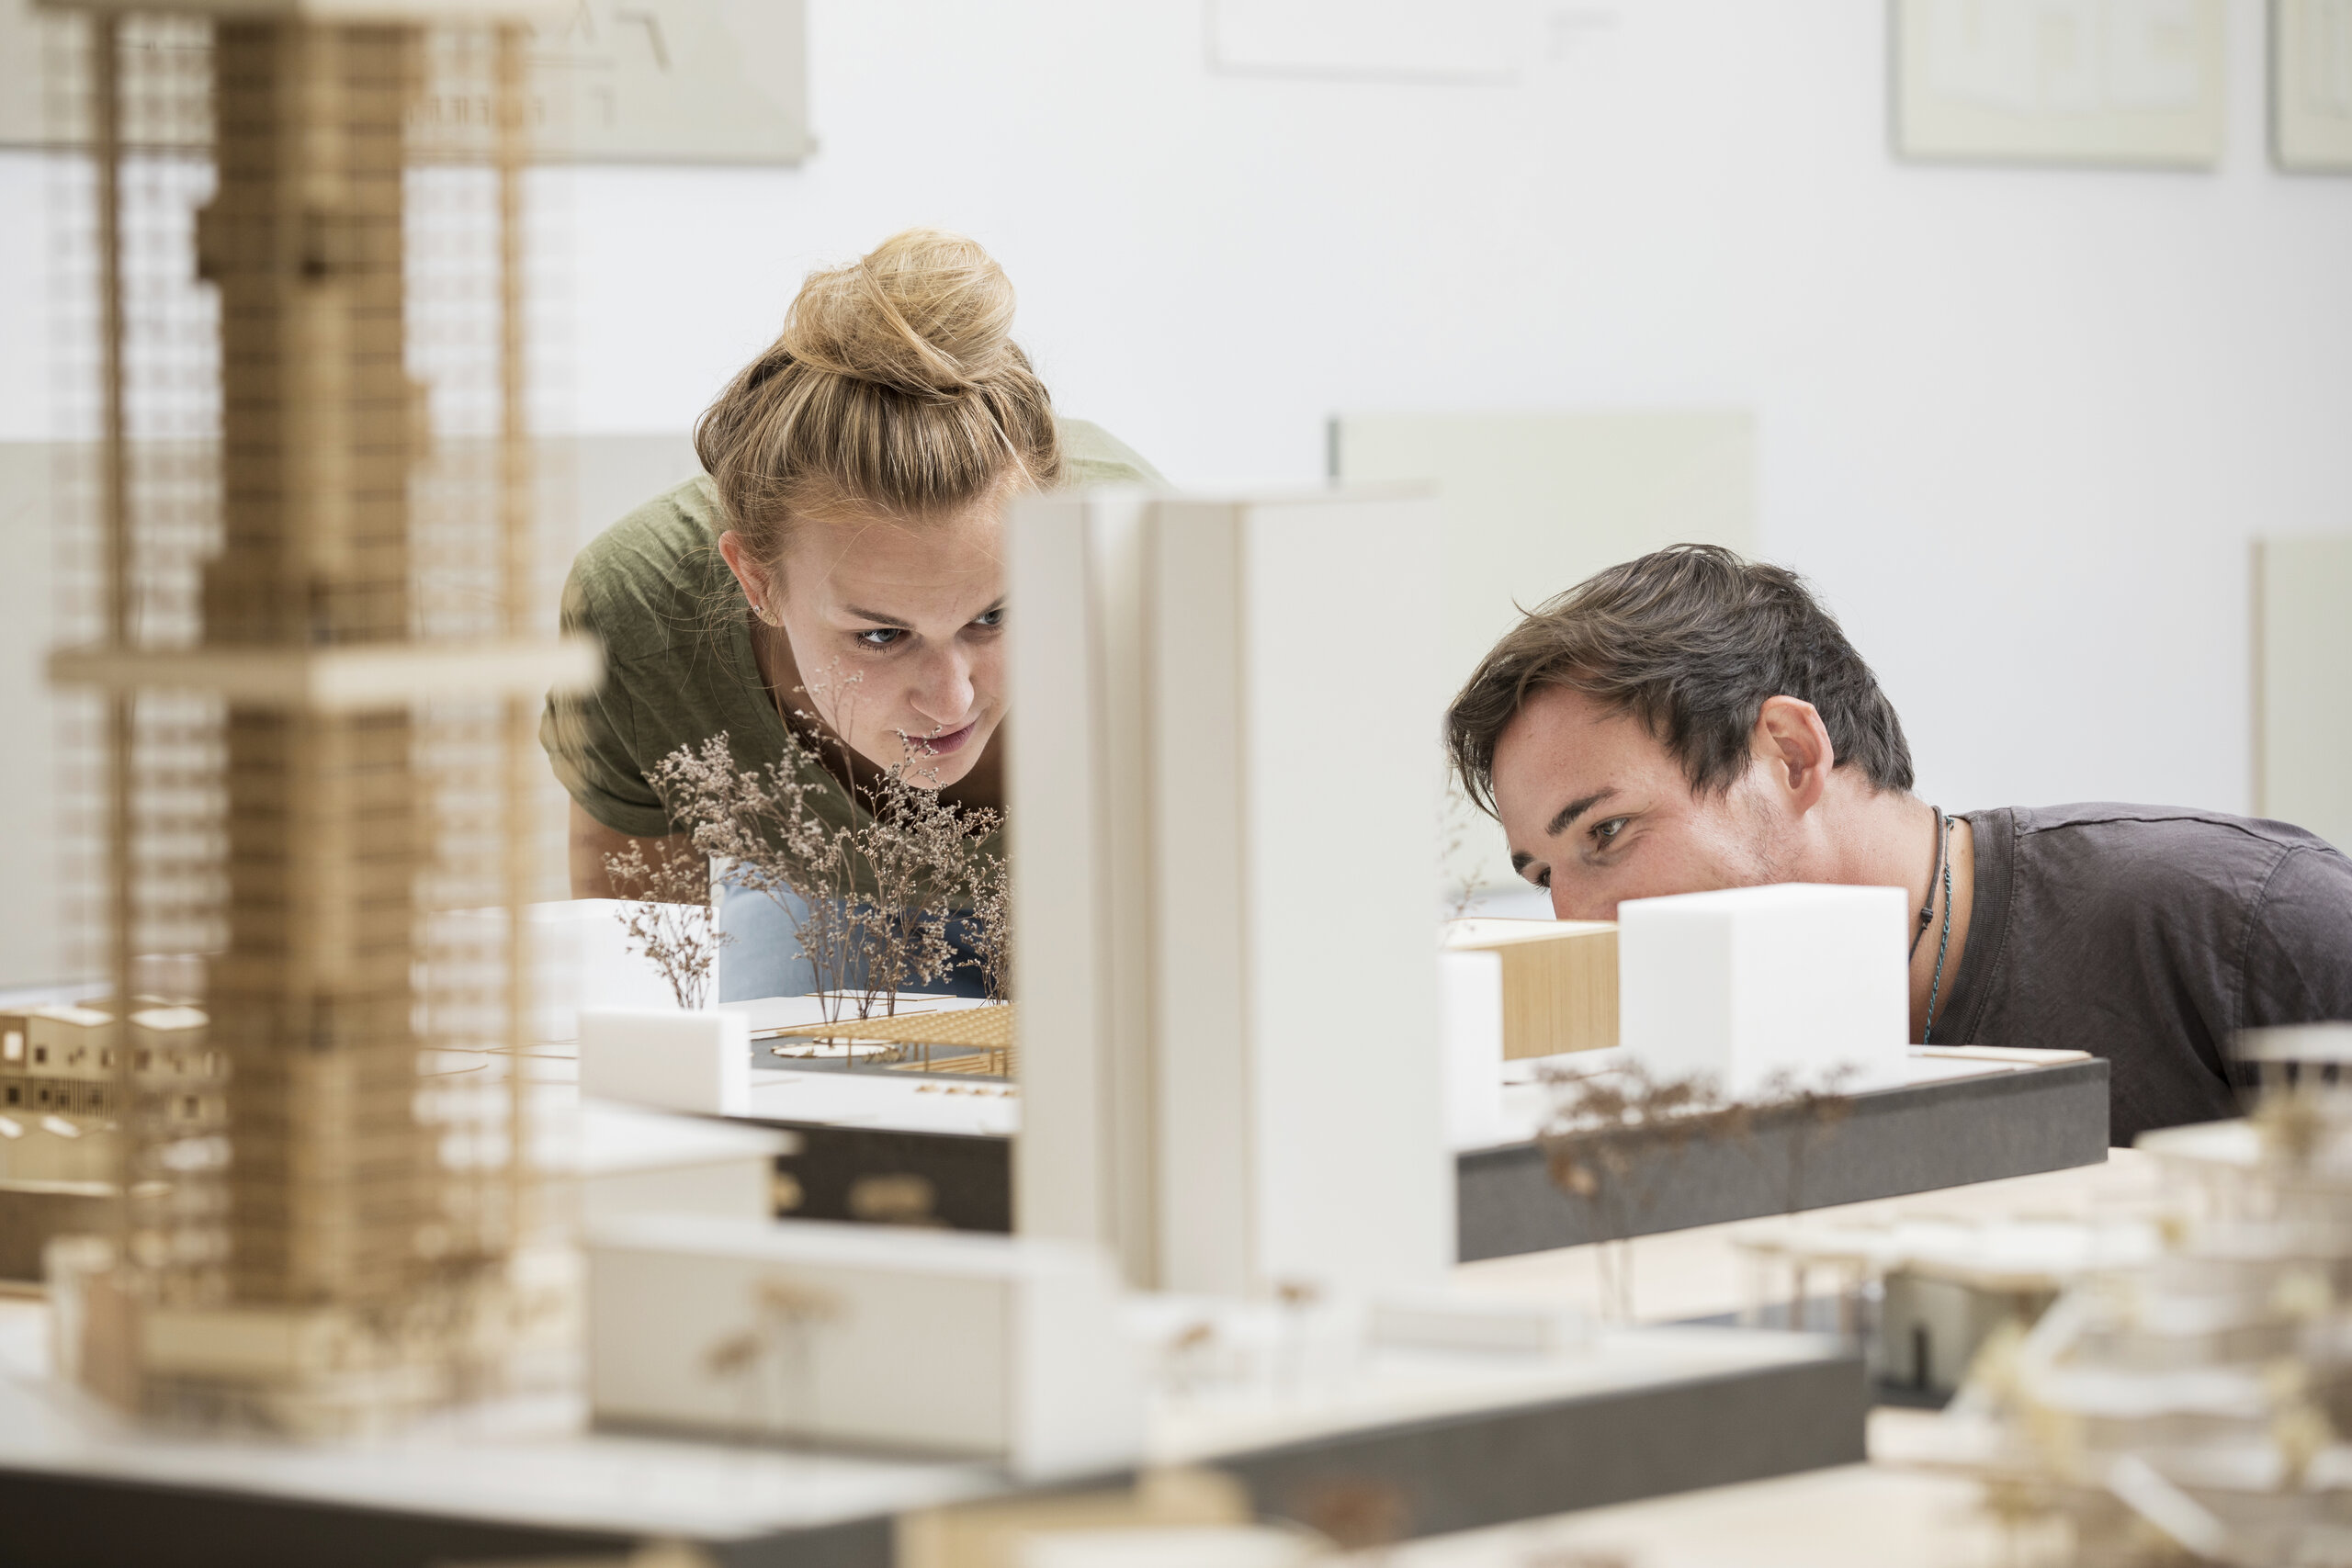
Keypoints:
(870, 901)
(667, 916)
(1617, 1136)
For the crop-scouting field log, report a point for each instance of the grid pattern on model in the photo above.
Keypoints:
(308, 443)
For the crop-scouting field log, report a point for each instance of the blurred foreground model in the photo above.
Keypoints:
(2191, 1407)
(307, 561)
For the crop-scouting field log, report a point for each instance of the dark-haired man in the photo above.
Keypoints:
(1692, 720)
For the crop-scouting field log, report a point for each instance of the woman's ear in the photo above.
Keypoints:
(754, 579)
(1795, 746)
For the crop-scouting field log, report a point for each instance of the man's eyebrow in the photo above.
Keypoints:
(1520, 860)
(1575, 810)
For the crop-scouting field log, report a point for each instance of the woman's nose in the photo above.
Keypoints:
(943, 691)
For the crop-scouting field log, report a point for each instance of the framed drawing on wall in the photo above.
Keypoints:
(2311, 85)
(2129, 83)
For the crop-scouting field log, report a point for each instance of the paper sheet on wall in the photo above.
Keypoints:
(1533, 504)
(2302, 720)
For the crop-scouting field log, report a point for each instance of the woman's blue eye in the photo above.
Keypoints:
(880, 637)
(989, 617)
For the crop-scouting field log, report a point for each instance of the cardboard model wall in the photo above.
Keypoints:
(1225, 800)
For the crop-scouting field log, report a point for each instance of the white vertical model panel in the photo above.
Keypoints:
(1231, 1062)
(2302, 702)
(1083, 1165)
(1202, 845)
(1059, 1177)
(1354, 1179)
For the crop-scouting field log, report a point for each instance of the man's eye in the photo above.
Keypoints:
(1603, 832)
(881, 637)
(989, 617)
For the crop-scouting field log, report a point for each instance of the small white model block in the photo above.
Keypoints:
(1005, 1349)
(584, 960)
(635, 1161)
(1750, 982)
(1172, 1546)
(1449, 1320)
(674, 1061)
(1470, 1020)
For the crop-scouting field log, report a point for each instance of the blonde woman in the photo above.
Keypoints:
(838, 558)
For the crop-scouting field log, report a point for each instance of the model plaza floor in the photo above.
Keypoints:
(527, 1458)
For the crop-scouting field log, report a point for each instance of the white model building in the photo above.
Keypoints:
(1224, 837)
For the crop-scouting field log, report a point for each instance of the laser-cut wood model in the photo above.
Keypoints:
(317, 679)
(981, 1040)
(1559, 981)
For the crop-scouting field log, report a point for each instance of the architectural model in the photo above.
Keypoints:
(315, 684)
(1559, 981)
(1208, 1088)
(2187, 1405)
(983, 1041)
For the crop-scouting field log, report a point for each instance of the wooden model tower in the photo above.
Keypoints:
(319, 682)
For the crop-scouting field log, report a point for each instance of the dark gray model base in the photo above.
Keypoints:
(1887, 1143)
(1426, 1478)
(1464, 1473)
(1890, 1142)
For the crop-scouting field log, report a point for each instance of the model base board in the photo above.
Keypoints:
(1964, 1115)
(1641, 1413)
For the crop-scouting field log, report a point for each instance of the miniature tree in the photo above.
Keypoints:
(1617, 1139)
(991, 927)
(668, 918)
(869, 901)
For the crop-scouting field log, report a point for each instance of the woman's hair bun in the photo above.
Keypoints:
(896, 385)
(925, 312)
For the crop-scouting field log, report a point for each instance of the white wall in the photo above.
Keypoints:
(2018, 424)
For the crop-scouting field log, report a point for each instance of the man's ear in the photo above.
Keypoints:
(753, 578)
(1793, 745)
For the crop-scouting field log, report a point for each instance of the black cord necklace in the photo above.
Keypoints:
(1943, 945)
(1935, 865)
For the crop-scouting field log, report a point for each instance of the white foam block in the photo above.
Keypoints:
(1172, 1546)
(1447, 1320)
(1751, 982)
(583, 959)
(674, 1061)
(1007, 1348)
(1470, 1020)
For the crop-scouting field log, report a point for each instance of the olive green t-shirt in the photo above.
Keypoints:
(677, 636)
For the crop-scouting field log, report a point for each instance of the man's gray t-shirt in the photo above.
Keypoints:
(2149, 936)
